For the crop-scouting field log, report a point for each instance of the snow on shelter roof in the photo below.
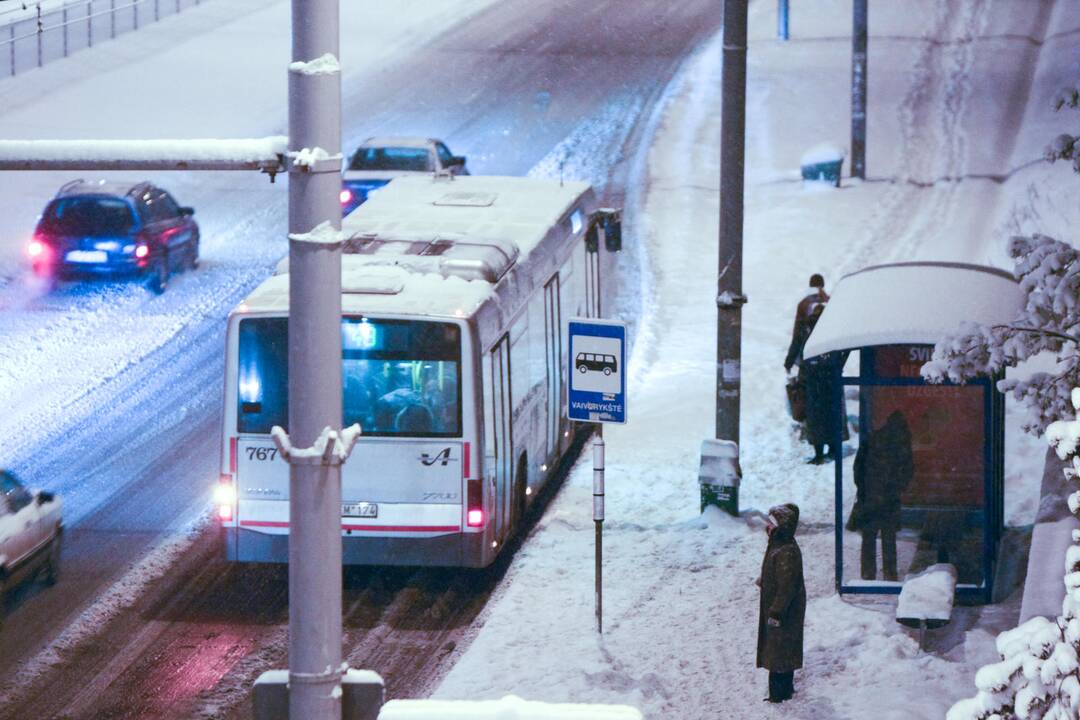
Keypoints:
(912, 303)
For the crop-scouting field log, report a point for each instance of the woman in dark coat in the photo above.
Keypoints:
(783, 604)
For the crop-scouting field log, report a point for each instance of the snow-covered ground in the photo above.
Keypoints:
(959, 112)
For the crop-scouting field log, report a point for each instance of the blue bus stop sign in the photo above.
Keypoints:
(597, 387)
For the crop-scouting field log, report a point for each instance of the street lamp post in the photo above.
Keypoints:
(315, 666)
(730, 298)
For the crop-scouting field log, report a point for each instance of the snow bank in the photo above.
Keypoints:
(508, 708)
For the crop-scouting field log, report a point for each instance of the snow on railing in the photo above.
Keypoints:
(266, 154)
(34, 33)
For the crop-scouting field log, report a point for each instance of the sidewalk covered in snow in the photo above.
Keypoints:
(921, 480)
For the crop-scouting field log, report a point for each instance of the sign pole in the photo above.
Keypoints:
(596, 393)
(598, 519)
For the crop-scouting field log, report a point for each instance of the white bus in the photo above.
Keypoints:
(455, 295)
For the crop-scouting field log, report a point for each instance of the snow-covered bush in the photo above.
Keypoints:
(1049, 273)
(1038, 677)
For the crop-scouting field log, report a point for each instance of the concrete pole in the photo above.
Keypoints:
(314, 371)
(858, 89)
(730, 297)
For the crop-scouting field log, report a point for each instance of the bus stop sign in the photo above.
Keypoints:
(597, 388)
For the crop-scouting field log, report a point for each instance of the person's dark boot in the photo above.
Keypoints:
(817, 460)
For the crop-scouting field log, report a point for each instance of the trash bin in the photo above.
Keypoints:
(823, 163)
(719, 475)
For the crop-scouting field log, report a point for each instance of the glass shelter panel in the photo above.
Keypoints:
(914, 477)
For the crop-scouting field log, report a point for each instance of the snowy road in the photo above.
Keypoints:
(114, 394)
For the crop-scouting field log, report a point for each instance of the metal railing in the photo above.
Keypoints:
(31, 39)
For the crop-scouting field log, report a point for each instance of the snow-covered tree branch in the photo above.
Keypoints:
(1063, 147)
(1049, 274)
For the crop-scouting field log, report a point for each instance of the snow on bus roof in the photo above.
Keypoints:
(368, 288)
(912, 303)
(516, 209)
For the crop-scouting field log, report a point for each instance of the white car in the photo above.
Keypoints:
(30, 532)
(379, 160)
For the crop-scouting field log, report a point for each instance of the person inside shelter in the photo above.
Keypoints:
(883, 469)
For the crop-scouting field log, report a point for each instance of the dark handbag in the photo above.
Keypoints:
(796, 398)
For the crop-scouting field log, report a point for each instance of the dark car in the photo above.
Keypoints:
(30, 534)
(115, 230)
(381, 159)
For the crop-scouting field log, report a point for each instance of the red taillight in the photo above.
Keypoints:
(346, 196)
(225, 498)
(36, 249)
(142, 251)
(474, 517)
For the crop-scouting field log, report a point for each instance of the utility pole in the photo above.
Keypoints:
(315, 607)
(730, 298)
(858, 89)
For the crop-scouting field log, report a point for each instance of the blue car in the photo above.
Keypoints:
(381, 159)
(114, 230)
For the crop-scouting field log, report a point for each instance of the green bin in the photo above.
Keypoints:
(827, 171)
(719, 475)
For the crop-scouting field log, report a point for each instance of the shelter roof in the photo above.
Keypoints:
(912, 303)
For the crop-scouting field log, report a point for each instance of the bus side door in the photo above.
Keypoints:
(553, 341)
(499, 449)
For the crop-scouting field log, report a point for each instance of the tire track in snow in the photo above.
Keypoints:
(940, 88)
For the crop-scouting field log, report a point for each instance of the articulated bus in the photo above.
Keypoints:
(455, 297)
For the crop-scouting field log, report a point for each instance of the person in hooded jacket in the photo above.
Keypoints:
(783, 604)
(883, 469)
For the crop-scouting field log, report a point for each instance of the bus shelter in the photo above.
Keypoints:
(919, 466)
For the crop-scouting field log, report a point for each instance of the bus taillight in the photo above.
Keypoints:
(225, 498)
(474, 517)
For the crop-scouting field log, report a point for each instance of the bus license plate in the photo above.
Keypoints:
(360, 509)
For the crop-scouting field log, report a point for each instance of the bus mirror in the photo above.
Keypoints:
(592, 238)
(613, 233)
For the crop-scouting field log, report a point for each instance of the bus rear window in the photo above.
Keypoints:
(401, 378)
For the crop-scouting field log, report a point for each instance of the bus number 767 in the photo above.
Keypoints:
(262, 453)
